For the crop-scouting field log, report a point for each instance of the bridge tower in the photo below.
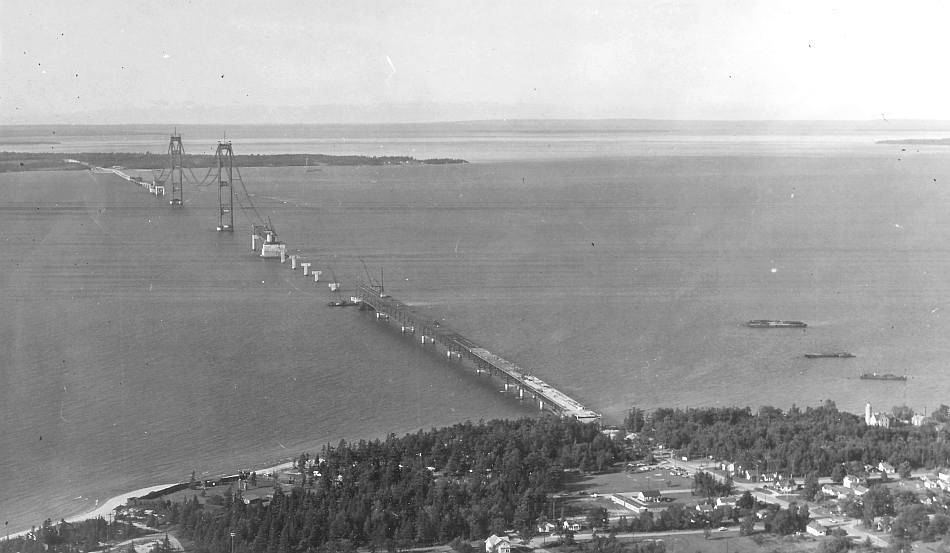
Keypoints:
(225, 157)
(175, 153)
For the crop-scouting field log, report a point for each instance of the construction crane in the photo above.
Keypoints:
(372, 282)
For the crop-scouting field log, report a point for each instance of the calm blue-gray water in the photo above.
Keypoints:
(616, 261)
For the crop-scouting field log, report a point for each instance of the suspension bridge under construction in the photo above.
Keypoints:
(369, 296)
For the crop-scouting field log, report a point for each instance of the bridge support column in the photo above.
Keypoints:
(293, 262)
(306, 268)
(541, 405)
(520, 392)
(253, 242)
(283, 256)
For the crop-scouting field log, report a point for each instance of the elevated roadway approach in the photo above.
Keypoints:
(456, 346)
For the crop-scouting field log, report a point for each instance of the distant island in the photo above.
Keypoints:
(918, 141)
(48, 161)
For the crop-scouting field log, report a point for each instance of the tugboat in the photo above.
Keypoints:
(836, 354)
(769, 323)
(883, 376)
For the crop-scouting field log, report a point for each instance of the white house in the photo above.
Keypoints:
(816, 529)
(649, 496)
(546, 527)
(496, 544)
(572, 526)
(850, 481)
(886, 468)
(729, 501)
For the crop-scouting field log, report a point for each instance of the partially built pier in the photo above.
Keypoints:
(458, 347)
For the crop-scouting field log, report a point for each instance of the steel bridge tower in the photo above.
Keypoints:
(175, 153)
(225, 157)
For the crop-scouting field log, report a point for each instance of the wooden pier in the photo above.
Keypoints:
(456, 346)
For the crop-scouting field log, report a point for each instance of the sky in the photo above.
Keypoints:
(136, 61)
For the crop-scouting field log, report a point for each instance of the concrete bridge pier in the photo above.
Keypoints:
(306, 268)
(293, 263)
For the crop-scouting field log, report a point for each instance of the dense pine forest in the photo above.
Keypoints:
(45, 161)
(470, 480)
(798, 441)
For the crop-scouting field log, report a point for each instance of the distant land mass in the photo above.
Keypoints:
(23, 161)
(918, 141)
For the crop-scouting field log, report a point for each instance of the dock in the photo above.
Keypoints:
(458, 347)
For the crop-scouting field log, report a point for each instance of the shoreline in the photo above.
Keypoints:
(109, 505)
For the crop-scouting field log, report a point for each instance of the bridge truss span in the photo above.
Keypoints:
(458, 347)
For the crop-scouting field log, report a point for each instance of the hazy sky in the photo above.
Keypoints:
(316, 61)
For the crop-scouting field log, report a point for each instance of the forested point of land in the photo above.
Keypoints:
(918, 141)
(798, 441)
(470, 480)
(45, 161)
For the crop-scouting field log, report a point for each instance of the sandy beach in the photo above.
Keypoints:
(106, 507)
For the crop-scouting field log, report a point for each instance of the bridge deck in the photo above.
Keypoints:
(452, 340)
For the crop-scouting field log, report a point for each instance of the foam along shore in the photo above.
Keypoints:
(103, 509)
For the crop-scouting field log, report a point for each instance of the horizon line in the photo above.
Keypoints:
(487, 120)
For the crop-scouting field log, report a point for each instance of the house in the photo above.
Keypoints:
(816, 529)
(786, 486)
(729, 501)
(495, 544)
(832, 490)
(649, 496)
(886, 468)
(859, 490)
(546, 527)
(851, 481)
(930, 482)
(572, 526)
(705, 508)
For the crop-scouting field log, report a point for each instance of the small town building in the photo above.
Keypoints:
(497, 544)
(816, 529)
(850, 481)
(649, 496)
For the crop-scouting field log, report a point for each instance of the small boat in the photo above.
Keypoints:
(338, 303)
(883, 376)
(836, 354)
(769, 323)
